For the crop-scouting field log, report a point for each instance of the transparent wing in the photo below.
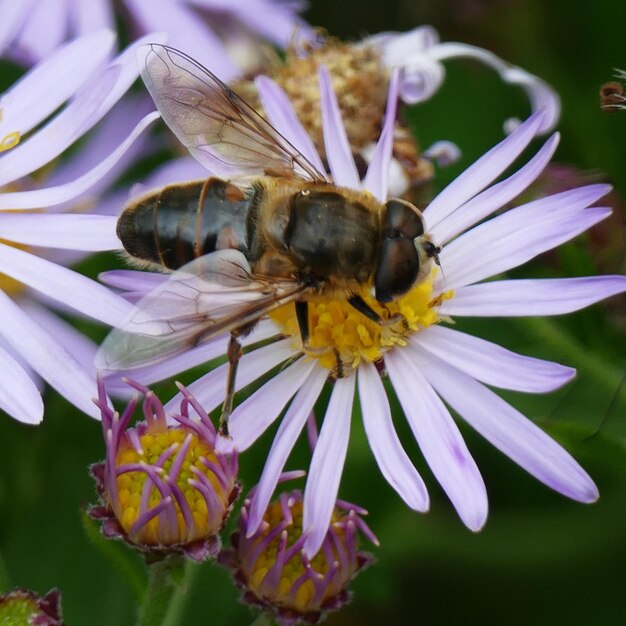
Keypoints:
(213, 294)
(219, 129)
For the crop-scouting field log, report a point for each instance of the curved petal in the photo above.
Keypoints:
(482, 173)
(494, 197)
(509, 431)
(48, 357)
(283, 118)
(284, 440)
(209, 389)
(13, 16)
(68, 287)
(439, 439)
(255, 414)
(51, 196)
(19, 395)
(92, 15)
(509, 240)
(43, 31)
(187, 32)
(519, 298)
(490, 363)
(377, 177)
(48, 142)
(392, 460)
(132, 280)
(540, 94)
(322, 485)
(73, 232)
(338, 151)
(50, 83)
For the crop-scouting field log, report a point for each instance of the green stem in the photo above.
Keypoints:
(167, 578)
(263, 620)
(178, 602)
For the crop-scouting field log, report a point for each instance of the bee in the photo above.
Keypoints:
(266, 229)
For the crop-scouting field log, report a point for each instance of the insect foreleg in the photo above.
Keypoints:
(234, 354)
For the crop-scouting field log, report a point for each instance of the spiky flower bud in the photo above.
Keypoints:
(275, 573)
(163, 485)
(22, 607)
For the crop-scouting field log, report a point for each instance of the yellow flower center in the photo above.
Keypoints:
(131, 487)
(294, 569)
(341, 337)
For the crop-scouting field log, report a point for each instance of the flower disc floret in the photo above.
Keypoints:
(341, 337)
(276, 574)
(22, 607)
(165, 486)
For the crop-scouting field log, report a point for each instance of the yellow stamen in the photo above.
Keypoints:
(338, 332)
(10, 141)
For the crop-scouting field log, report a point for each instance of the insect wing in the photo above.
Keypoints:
(212, 295)
(219, 129)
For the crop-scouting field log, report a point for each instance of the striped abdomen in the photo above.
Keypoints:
(180, 222)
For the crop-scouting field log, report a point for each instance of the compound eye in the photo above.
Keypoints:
(398, 269)
(402, 219)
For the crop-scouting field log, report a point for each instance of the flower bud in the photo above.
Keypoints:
(274, 572)
(22, 607)
(163, 485)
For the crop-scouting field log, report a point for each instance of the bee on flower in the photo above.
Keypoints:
(402, 333)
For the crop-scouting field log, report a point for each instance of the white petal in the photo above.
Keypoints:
(281, 115)
(48, 357)
(439, 439)
(338, 151)
(377, 176)
(19, 395)
(255, 414)
(541, 95)
(48, 142)
(92, 15)
(392, 460)
(509, 431)
(74, 232)
(13, 16)
(50, 83)
(518, 298)
(322, 485)
(284, 440)
(51, 196)
(70, 288)
(490, 363)
(209, 389)
(495, 197)
(186, 31)
(481, 173)
(509, 240)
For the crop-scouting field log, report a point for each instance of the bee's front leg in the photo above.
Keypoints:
(363, 307)
(234, 354)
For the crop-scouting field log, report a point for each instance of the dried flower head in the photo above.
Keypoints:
(163, 486)
(275, 573)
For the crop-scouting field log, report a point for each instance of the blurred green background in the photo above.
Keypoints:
(541, 559)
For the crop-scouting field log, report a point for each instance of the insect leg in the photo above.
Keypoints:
(234, 354)
(364, 308)
(302, 315)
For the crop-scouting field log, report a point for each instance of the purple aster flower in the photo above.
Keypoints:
(164, 487)
(223, 33)
(275, 574)
(35, 343)
(430, 365)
